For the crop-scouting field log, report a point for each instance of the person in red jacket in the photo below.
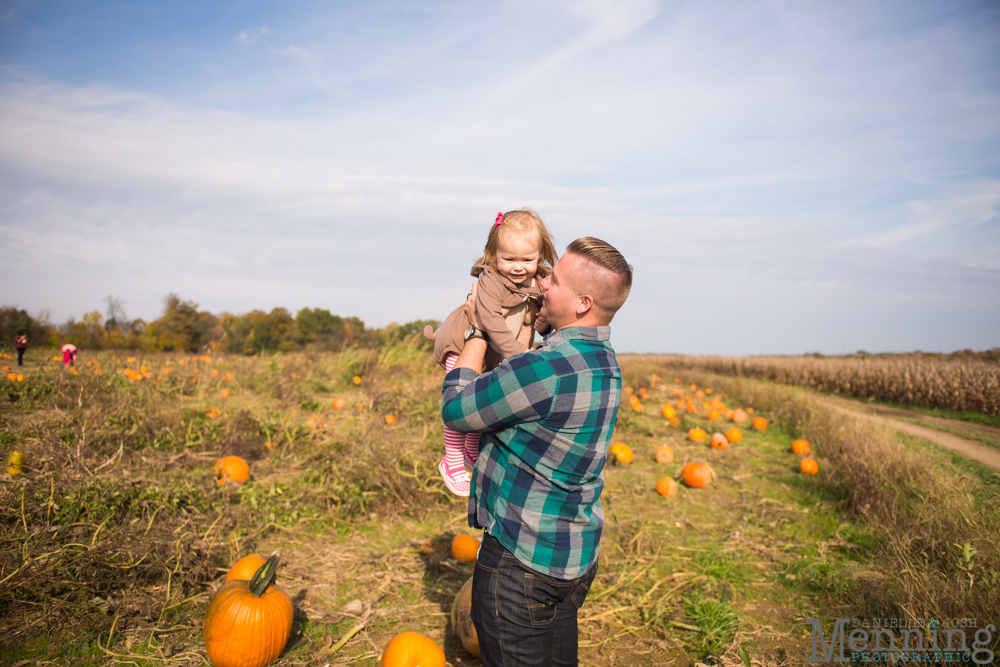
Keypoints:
(21, 342)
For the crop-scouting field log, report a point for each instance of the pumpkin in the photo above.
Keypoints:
(245, 567)
(464, 548)
(759, 423)
(699, 394)
(693, 387)
(739, 416)
(224, 393)
(734, 435)
(622, 453)
(675, 421)
(809, 466)
(390, 420)
(664, 454)
(643, 393)
(16, 462)
(667, 411)
(654, 378)
(697, 475)
(628, 390)
(461, 619)
(247, 623)
(666, 486)
(679, 405)
(691, 407)
(338, 403)
(800, 447)
(708, 390)
(697, 435)
(749, 411)
(231, 469)
(719, 441)
(356, 379)
(408, 649)
(713, 415)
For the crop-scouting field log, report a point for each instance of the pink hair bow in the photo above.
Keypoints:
(499, 220)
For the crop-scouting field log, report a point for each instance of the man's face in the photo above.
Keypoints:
(560, 300)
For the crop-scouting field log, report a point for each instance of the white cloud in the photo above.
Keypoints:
(250, 36)
(295, 51)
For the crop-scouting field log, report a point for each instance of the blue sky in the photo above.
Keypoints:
(784, 176)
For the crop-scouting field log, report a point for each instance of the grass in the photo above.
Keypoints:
(115, 539)
(943, 413)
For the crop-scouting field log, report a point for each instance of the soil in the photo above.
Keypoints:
(973, 449)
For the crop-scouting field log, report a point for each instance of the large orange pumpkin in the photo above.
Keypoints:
(621, 452)
(697, 435)
(231, 469)
(666, 486)
(697, 475)
(245, 568)
(461, 619)
(465, 547)
(247, 623)
(664, 454)
(408, 649)
(801, 447)
(734, 435)
(667, 411)
(739, 416)
(760, 423)
(719, 441)
(809, 466)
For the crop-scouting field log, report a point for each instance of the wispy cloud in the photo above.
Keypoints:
(968, 205)
(250, 36)
(297, 52)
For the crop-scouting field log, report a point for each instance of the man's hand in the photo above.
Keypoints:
(470, 306)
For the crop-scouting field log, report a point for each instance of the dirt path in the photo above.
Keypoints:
(973, 449)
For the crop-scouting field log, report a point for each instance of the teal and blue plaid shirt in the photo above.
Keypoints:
(547, 418)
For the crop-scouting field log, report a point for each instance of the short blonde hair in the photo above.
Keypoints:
(522, 222)
(610, 281)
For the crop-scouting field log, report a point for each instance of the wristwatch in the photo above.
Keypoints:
(473, 332)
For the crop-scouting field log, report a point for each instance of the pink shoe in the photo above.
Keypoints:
(457, 482)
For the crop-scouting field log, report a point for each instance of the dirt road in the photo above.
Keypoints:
(929, 428)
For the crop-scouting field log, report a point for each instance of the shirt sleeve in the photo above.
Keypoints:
(518, 391)
(489, 297)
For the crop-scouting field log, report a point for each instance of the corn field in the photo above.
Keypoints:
(971, 385)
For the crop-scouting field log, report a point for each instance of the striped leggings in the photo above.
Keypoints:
(455, 442)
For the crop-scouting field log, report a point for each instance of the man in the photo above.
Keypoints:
(548, 417)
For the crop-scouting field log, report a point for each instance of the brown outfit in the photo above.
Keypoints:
(493, 294)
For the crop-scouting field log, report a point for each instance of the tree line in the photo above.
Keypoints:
(184, 328)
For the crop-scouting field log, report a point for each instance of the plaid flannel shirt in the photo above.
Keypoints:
(547, 418)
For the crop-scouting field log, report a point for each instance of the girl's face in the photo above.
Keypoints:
(517, 260)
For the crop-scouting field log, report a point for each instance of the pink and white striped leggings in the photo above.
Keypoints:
(455, 442)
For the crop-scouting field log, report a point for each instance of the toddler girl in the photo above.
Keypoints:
(519, 252)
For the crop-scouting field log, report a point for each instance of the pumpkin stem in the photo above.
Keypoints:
(264, 575)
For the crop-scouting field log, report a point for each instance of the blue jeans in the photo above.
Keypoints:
(524, 618)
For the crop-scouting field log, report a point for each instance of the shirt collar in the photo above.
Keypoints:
(599, 334)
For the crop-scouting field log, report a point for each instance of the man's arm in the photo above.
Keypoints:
(472, 355)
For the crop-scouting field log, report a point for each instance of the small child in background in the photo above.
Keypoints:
(519, 252)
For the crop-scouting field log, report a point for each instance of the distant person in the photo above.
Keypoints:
(547, 416)
(519, 252)
(21, 343)
(69, 354)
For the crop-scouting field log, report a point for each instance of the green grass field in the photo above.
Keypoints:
(116, 535)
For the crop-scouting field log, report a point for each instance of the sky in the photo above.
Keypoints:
(784, 176)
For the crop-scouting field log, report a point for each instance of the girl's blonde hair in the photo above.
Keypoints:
(520, 223)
